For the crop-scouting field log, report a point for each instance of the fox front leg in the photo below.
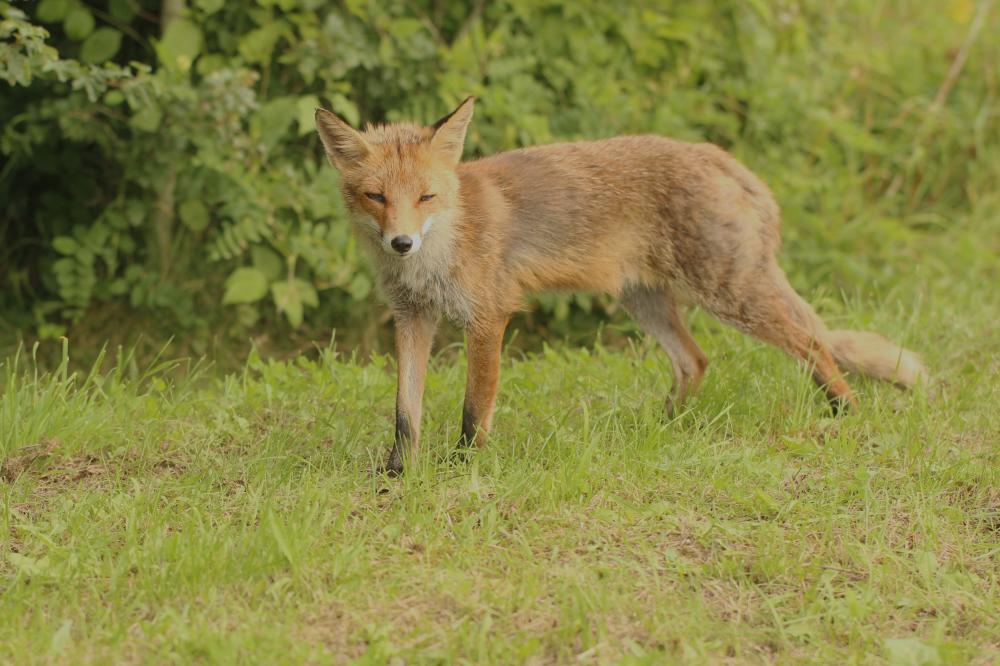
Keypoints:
(414, 337)
(484, 344)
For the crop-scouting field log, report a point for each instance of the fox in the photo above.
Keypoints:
(658, 223)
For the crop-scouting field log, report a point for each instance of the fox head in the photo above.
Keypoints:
(398, 179)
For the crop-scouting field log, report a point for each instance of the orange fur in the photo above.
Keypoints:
(657, 222)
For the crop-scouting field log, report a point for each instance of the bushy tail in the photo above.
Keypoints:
(873, 355)
(859, 351)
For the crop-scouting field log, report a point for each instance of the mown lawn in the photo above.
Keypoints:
(235, 519)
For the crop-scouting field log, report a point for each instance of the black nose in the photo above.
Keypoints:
(401, 244)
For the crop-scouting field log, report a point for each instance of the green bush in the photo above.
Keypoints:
(160, 161)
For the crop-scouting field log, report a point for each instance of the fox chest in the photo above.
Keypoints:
(416, 285)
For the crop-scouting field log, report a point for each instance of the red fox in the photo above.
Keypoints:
(658, 223)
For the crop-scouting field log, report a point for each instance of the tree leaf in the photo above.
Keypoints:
(346, 108)
(309, 295)
(79, 23)
(210, 6)
(245, 285)
(147, 119)
(267, 261)
(65, 245)
(194, 215)
(288, 301)
(273, 119)
(121, 10)
(101, 45)
(307, 114)
(53, 11)
(291, 297)
(360, 287)
(258, 45)
(180, 45)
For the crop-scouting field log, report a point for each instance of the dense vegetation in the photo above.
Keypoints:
(161, 175)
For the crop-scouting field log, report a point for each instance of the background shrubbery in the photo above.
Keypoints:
(161, 175)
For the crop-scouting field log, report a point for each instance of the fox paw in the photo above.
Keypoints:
(393, 467)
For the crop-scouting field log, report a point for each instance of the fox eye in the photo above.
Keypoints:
(375, 196)
(427, 197)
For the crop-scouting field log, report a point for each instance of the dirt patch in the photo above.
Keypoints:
(57, 475)
(15, 466)
(74, 469)
(347, 633)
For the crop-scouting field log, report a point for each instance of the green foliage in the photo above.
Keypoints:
(155, 164)
(245, 285)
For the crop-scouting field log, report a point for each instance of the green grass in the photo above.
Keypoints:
(236, 519)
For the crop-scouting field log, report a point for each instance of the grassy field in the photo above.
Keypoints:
(169, 515)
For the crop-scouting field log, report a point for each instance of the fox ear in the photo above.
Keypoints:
(344, 145)
(449, 132)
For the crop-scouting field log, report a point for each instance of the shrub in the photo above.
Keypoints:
(161, 160)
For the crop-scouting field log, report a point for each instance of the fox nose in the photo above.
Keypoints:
(401, 244)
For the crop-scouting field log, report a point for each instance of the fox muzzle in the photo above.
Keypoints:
(402, 243)
(406, 244)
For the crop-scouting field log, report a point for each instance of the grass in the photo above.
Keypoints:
(175, 517)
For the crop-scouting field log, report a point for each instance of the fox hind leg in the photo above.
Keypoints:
(656, 312)
(765, 309)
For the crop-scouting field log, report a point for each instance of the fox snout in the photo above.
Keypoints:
(402, 243)
(405, 244)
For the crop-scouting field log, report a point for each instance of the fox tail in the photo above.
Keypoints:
(861, 351)
(873, 355)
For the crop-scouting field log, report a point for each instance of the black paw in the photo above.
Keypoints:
(839, 404)
(393, 467)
